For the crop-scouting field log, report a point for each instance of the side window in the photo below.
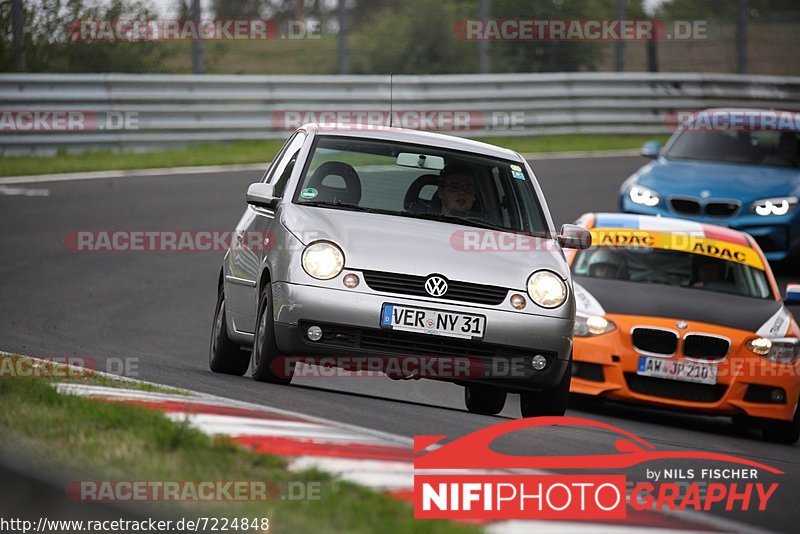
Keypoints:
(272, 166)
(281, 171)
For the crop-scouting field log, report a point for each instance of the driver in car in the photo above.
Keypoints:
(456, 189)
(607, 264)
(705, 271)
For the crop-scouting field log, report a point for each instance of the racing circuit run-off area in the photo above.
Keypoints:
(449, 266)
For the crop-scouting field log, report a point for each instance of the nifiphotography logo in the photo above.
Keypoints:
(466, 479)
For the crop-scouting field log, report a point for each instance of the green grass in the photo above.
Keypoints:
(263, 151)
(194, 155)
(113, 441)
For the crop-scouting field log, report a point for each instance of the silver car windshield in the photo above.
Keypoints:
(674, 268)
(420, 181)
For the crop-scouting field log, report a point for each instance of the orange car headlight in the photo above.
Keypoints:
(780, 350)
(592, 325)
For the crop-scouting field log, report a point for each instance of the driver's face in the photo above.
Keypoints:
(457, 193)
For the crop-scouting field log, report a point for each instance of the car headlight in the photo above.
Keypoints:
(593, 325)
(774, 206)
(323, 260)
(547, 289)
(644, 196)
(779, 350)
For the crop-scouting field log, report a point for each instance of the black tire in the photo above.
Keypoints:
(786, 432)
(484, 400)
(225, 356)
(265, 348)
(548, 402)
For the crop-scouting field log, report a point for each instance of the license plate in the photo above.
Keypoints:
(701, 373)
(433, 322)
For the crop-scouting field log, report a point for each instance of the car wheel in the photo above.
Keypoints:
(265, 348)
(484, 400)
(786, 432)
(548, 402)
(225, 356)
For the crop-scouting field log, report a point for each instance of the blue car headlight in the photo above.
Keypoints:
(774, 206)
(643, 196)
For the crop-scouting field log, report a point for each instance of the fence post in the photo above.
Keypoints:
(197, 44)
(18, 23)
(741, 37)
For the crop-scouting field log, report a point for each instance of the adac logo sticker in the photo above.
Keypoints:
(482, 489)
(678, 241)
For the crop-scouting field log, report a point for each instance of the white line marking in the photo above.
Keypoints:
(23, 191)
(132, 173)
(241, 426)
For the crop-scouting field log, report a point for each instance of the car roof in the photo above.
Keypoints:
(669, 224)
(418, 137)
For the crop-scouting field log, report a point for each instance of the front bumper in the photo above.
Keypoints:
(606, 366)
(351, 324)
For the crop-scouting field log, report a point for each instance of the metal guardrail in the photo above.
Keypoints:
(166, 110)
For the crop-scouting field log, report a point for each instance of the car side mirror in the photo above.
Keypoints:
(262, 195)
(650, 149)
(573, 236)
(792, 295)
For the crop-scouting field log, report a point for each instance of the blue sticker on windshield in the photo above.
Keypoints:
(518, 175)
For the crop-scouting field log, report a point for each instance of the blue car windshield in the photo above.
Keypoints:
(393, 178)
(769, 148)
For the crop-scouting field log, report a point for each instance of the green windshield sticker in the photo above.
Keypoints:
(516, 168)
(309, 193)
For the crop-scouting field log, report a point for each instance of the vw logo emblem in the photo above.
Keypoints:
(682, 325)
(436, 286)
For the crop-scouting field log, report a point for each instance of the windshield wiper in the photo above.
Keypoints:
(344, 206)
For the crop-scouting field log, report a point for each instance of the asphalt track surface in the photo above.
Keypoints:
(156, 309)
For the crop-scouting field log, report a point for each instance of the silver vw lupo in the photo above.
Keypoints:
(411, 253)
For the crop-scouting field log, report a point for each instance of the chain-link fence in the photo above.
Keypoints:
(399, 36)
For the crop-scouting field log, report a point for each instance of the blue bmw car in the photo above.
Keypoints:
(745, 178)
